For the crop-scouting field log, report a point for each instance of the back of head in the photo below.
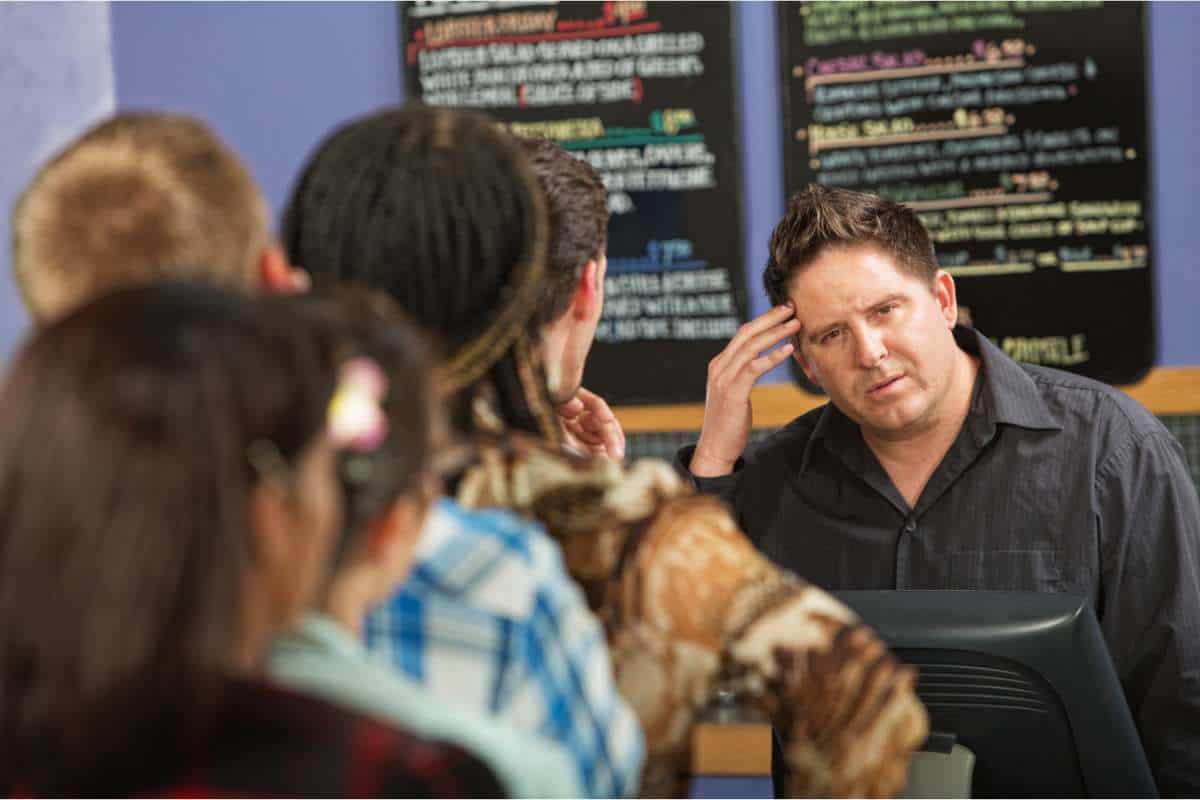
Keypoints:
(372, 330)
(820, 218)
(139, 197)
(577, 207)
(438, 208)
(124, 489)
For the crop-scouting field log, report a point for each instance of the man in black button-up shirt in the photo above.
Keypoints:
(942, 464)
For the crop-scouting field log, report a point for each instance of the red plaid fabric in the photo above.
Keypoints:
(271, 742)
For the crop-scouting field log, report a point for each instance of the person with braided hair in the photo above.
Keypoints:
(439, 208)
(488, 617)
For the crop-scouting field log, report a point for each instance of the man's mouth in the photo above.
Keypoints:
(882, 386)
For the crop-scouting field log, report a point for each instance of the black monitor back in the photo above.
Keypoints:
(1022, 679)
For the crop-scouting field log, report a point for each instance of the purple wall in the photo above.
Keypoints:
(1174, 127)
(55, 79)
(272, 78)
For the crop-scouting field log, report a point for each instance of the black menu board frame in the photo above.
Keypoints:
(1057, 268)
(659, 119)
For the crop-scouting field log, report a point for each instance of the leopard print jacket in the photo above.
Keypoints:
(688, 604)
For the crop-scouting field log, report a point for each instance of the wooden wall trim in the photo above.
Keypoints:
(1165, 391)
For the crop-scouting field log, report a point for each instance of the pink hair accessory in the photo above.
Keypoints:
(356, 419)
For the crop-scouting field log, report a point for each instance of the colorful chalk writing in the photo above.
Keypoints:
(643, 91)
(1020, 142)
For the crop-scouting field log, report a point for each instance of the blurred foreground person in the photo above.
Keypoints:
(169, 504)
(139, 197)
(442, 210)
(148, 196)
(387, 406)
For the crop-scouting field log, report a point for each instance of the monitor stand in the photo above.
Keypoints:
(940, 771)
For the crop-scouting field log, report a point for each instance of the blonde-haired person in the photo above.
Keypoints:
(139, 197)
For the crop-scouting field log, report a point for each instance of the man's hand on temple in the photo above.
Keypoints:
(731, 376)
(591, 427)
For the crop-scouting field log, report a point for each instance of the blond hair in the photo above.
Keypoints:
(137, 198)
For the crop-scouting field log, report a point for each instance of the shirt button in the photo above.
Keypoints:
(910, 526)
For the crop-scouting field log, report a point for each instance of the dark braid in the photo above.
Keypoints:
(438, 208)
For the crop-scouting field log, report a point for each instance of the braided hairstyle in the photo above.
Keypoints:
(438, 208)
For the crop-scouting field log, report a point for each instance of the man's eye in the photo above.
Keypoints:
(829, 337)
(889, 308)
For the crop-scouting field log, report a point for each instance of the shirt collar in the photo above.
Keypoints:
(837, 431)
(321, 632)
(1010, 395)
(1007, 395)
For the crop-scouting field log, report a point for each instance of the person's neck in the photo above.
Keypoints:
(911, 457)
(348, 599)
(551, 350)
(254, 627)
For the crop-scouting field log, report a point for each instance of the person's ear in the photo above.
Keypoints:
(588, 299)
(277, 276)
(947, 299)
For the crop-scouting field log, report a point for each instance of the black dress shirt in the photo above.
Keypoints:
(1055, 483)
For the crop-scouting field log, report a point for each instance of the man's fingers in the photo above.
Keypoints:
(594, 404)
(769, 361)
(595, 427)
(754, 348)
(762, 322)
(602, 422)
(571, 409)
(577, 429)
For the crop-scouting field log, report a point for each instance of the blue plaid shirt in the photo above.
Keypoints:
(490, 618)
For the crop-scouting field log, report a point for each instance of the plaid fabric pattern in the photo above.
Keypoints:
(490, 618)
(270, 742)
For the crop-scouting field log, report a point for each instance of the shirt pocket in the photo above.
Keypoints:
(1034, 570)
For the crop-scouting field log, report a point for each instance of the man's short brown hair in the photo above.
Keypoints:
(577, 204)
(137, 198)
(819, 218)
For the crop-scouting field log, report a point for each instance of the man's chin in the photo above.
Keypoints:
(559, 397)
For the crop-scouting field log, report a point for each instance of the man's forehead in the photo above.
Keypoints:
(844, 280)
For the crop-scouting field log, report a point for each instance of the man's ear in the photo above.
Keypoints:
(277, 276)
(589, 291)
(804, 363)
(947, 298)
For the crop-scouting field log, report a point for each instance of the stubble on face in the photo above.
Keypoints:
(877, 339)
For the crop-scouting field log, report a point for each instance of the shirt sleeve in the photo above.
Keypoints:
(1148, 517)
(570, 678)
(724, 486)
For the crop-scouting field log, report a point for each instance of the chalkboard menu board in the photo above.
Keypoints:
(644, 92)
(1017, 130)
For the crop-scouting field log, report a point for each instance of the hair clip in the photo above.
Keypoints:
(356, 419)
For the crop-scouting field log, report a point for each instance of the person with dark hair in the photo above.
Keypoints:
(169, 501)
(488, 617)
(442, 210)
(940, 463)
(388, 485)
(576, 261)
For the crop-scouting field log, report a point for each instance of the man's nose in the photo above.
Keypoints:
(870, 349)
